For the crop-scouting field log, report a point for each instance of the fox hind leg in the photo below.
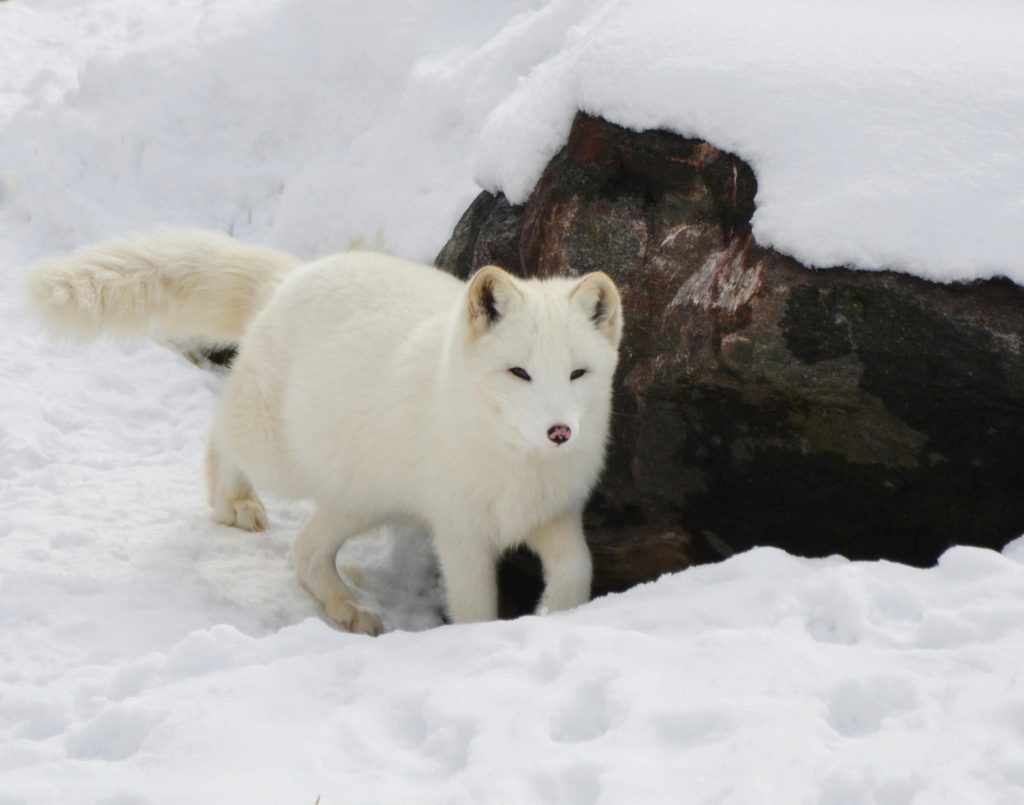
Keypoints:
(232, 497)
(315, 556)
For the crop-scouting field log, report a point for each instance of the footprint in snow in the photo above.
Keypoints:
(585, 716)
(574, 785)
(687, 728)
(115, 734)
(859, 707)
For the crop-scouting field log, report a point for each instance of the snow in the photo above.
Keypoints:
(148, 655)
(883, 134)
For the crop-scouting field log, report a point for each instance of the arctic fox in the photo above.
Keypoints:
(383, 389)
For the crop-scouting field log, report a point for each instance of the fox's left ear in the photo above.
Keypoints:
(598, 297)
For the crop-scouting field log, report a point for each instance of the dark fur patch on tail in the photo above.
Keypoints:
(220, 356)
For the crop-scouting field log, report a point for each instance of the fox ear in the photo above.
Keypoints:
(597, 296)
(492, 294)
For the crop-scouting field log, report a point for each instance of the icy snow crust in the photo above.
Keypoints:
(150, 656)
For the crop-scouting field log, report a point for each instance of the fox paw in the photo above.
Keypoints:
(352, 617)
(245, 513)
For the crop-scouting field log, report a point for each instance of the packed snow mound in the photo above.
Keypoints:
(883, 134)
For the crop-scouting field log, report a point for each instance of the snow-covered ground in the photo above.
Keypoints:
(150, 656)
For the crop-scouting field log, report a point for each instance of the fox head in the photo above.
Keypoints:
(543, 354)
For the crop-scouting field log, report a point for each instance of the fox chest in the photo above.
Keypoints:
(526, 501)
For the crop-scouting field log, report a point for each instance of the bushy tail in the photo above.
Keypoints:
(186, 281)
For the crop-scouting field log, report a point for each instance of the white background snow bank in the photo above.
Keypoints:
(148, 655)
(883, 134)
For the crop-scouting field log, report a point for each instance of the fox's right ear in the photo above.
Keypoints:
(491, 295)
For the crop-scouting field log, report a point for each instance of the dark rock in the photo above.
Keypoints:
(487, 234)
(760, 402)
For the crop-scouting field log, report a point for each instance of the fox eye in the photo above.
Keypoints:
(520, 372)
(577, 374)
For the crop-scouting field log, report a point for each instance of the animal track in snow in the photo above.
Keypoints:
(585, 714)
(858, 707)
(892, 787)
(70, 538)
(686, 728)
(40, 720)
(427, 727)
(576, 785)
(115, 734)
(835, 615)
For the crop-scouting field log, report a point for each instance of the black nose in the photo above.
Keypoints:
(559, 434)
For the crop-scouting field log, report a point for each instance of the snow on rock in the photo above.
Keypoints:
(150, 656)
(883, 134)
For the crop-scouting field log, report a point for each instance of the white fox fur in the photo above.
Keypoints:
(381, 389)
(187, 281)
